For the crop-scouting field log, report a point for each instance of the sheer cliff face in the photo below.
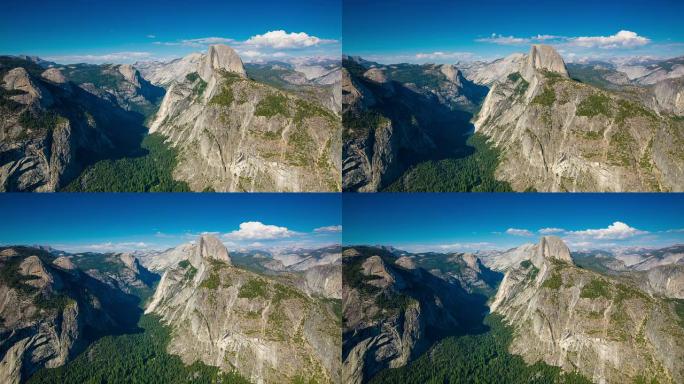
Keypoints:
(50, 311)
(266, 329)
(609, 331)
(235, 134)
(394, 310)
(54, 122)
(398, 114)
(557, 134)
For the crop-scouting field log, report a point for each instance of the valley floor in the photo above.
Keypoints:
(151, 172)
(476, 358)
(472, 173)
(144, 360)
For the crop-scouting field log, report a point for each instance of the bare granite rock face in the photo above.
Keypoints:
(165, 73)
(543, 58)
(266, 329)
(391, 307)
(605, 329)
(49, 312)
(324, 280)
(665, 280)
(235, 134)
(221, 57)
(556, 134)
(54, 75)
(52, 127)
(29, 90)
(501, 261)
(669, 95)
(396, 114)
(487, 73)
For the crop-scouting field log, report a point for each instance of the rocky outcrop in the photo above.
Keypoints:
(52, 127)
(211, 248)
(49, 314)
(605, 329)
(556, 134)
(220, 57)
(122, 272)
(64, 262)
(551, 248)
(666, 280)
(165, 73)
(392, 314)
(543, 58)
(324, 280)
(120, 84)
(28, 90)
(234, 134)
(159, 261)
(54, 75)
(501, 261)
(487, 73)
(266, 329)
(397, 115)
(669, 96)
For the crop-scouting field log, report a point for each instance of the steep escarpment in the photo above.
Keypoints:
(57, 121)
(658, 272)
(261, 326)
(605, 329)
(121, 271)
(399, 115)
(393, 311)
(51, 311)
(235, 134)
(557, 134)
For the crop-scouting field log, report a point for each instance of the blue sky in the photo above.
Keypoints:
(481, 221)
(126, 31)
(448, 31)
(122, 222)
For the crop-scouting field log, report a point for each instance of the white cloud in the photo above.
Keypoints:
(548, 231)
(504, 40)
(546, 37)
(616, 231)
(439, 55)
(622, 39)
(151, 36)
(114, 57)
(256, 230)
(329, 229)
(283, 40)
(519, 232)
